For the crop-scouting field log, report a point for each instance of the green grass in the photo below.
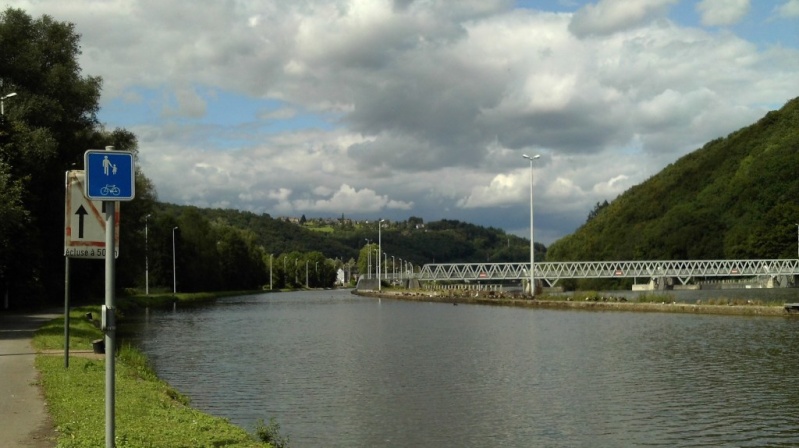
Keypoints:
(149, 413)
(326, 229)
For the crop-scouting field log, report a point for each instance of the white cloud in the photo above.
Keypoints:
(502, 190)
(789, 9)
(722, 12)
(347, 200)
(610, 16)
(423, 107)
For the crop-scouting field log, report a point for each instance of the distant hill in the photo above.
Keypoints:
(444, 241)
(735, 198)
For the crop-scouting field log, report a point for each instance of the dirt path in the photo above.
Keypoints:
(24, 421)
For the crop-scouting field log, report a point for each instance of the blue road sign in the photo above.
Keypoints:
(109, 175)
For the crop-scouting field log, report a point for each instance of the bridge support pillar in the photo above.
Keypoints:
(662, 283)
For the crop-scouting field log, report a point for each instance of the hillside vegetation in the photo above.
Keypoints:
(735, 198)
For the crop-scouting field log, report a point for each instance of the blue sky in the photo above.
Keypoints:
(397, 108)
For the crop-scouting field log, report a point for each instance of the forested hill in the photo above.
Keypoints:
(411, 240)
(736, 197)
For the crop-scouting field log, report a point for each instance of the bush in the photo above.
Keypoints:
(271, 433)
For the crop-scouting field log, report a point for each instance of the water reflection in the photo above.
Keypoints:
(339, 370)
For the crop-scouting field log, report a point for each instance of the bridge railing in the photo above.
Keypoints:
(551, 272)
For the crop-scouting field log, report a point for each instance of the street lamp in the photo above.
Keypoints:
(174, 274)
(369, 258)
(2, 102)
(379, 250)
(532, 244)
(270, 271)
(146, 259)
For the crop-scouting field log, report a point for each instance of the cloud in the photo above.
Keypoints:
(789, 9)
(610, 16)
(722, 12)
(347, 200)
(422, 107)
(503, 189)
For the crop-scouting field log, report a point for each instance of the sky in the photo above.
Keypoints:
(388, 109)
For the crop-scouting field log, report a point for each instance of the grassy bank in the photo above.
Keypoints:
(149, 413)
(662, 303)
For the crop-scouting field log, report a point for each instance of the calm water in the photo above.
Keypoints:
(336, 370)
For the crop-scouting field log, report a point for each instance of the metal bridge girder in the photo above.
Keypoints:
(551, 272)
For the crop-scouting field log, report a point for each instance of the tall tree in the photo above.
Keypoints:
(50, 123)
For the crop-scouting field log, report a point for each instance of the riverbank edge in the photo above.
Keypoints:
(48, 377)
(590, 305)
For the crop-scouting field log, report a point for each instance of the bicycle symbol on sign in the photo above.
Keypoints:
(112, 190)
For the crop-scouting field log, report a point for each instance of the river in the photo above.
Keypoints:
(336, 370)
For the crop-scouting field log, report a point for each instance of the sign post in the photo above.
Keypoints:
(110, 177)
(84, 235)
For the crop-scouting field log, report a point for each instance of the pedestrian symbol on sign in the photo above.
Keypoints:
(109, 175)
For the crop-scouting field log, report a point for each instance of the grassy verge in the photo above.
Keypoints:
(149, 413)
(653, 302)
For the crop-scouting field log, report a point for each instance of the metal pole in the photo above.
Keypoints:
(270, 272)
(379, 250)
(66, 312)
(146, 259)
(174, 273)
(306, 274)
(532, 243)
(109, 207)
(110, 333)
(369, 258)
(2, 119)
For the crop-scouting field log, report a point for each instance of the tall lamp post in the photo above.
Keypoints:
(270, 271)
(379, 251)
(2, 102)
(146, 258)
(369, 258)
(532, 244)
(174, 274)
(2, 119)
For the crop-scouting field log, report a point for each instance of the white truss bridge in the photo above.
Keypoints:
(551, 272)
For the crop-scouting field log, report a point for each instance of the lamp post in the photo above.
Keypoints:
(532, 244)
(2, 119)
(2, 102)
(379, 250)
(270, 271)
(146, 258)
(174, 274)
(369, 258)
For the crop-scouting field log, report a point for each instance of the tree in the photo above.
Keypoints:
(48, 126)
(597, 209)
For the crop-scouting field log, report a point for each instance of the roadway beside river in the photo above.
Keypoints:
(661, 303)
